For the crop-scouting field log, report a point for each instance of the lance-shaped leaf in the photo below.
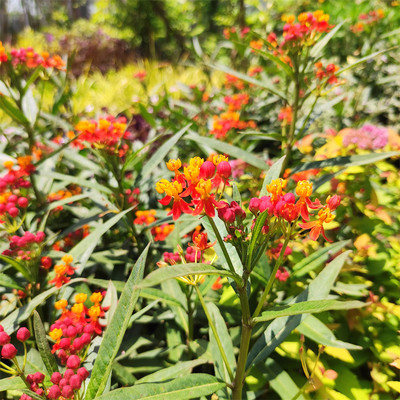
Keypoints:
(272, 173)
(317, 258)
(306, 307)
(84, 249)
(115, 331)
(181, 270)
(279, 329)
(188, 387)
(19, 266)
(43, 344)
(316, 50)
(9, 282)
(316, 330)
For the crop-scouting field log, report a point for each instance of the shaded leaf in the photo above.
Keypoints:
(115, 331)
(187, 387)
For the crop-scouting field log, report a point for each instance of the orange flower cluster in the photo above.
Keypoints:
(232, 81)
(72, 190)
(105, 133)
(147, 217)
(62, 270)
(200, 180)
(236, 101)
(365, 20)
(227, 121)
(29, 58)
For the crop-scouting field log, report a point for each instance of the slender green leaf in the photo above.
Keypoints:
(316, 330)
(12, 383)
(143, 311)
(159, 155)
(226, 341)
(19, 266)
(363, 60)
(272, 174)
(30, 107)
(188, 387)
(12, 321)
(181, 270)
(115, 331)
(248, 79)
(281, 381)
(43, 344)
(316, 50)
(84, 249)
(286, 68)
(12, 111)
(348, 161)
(178, 370)
(279, 329)
(317, 258)
(7, 281)
(227, 148)
(307, 307)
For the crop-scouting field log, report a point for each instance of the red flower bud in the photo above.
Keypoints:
(55, 378)
(46, 262)
(254, 205)
(67, 391)
(73, 362)
(38, 377)
(4, 338)
(75, 381)
(23, 202)
(224, 169)
(54, 392)
(23, 334)
(13, 212)
(333, 202)
(8, 351)
(83, 373)
(207, 170)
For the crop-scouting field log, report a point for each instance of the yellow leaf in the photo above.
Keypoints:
(394, 385)
(341, 354)
(396, 363)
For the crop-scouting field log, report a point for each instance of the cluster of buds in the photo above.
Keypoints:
(194, 254)
(26, 247)
(236, 101)
(366, 20)
(8, 350)
(74, 330)
(62, 271)
(29, 58)
(327, 73)
(71, 239)
(104, 134)
(304, 32)
(201, 180)
(11, 183)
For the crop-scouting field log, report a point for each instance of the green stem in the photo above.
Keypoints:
(272, 276)
(222, 245)
(247, 327)
(214, 330)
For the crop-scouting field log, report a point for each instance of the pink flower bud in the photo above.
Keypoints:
(207, 170)
(23, 334)
(54, 392)
(75, 382)
(40, 237)
(71, 331)
(4, 338)
(1, 328)
(38, 377)
(12, 199)
(64, 343)
(254, 205)
(8, 351)
(73, 362)
(23, 202)
(13, 212)
(333, 202)
(67, 391)
(224, 169)
(83, 373)
(63, 382)
(55, 378)
(68, 373)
